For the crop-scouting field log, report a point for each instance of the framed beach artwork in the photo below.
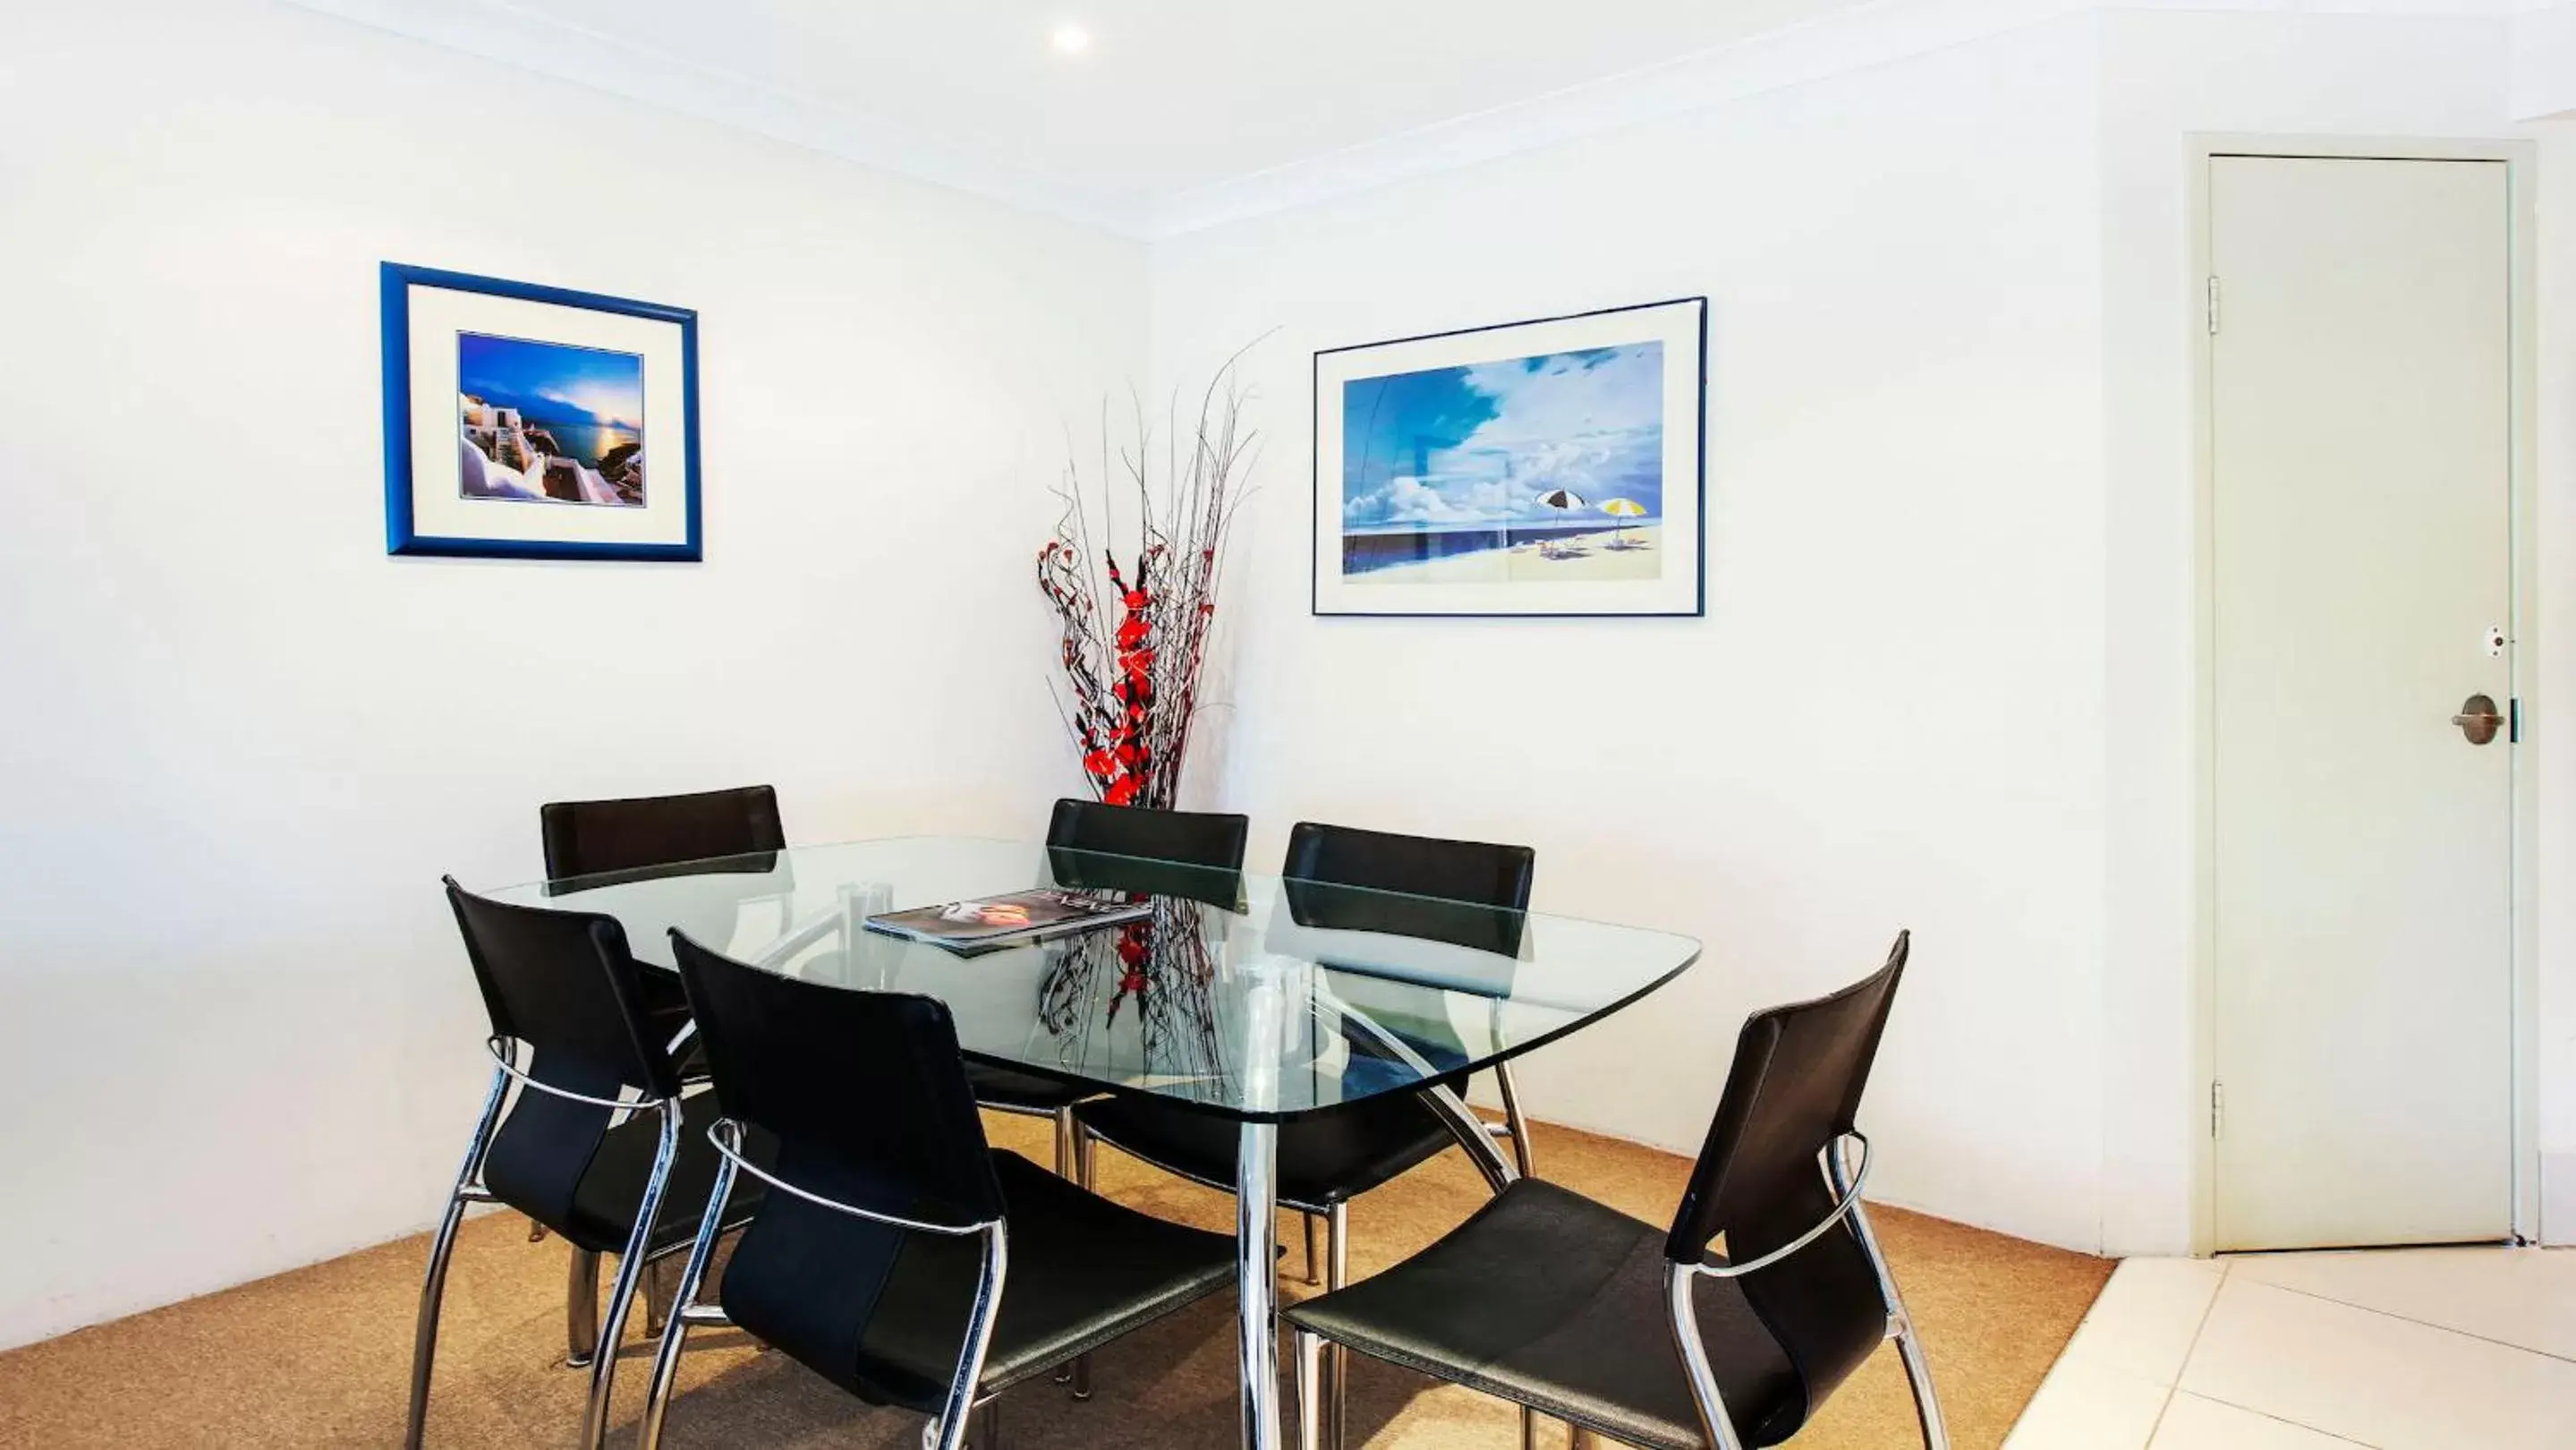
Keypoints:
(537, 423)
(1535, 468)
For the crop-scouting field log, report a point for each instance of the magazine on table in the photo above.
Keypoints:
(1010, 919)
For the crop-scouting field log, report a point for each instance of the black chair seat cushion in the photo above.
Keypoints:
(1081, 1272)
(1002, 1087)
(1550, 1299)
(612, 1188)
(1323, 1160)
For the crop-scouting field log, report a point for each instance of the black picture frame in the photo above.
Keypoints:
(1680, 319)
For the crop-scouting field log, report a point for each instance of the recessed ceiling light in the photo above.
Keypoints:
(1070, 39)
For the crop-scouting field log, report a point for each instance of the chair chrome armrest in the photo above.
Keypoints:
(726, 1135)
(1842, 1210)
(506, 1058)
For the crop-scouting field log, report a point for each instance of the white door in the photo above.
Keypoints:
(2361, 411)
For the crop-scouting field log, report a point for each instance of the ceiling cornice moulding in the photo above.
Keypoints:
(1863, 36)
(547, 47)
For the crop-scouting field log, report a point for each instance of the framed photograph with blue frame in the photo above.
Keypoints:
(528, 422)
(1551, 467)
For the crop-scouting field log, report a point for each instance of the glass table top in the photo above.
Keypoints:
(1249, 996)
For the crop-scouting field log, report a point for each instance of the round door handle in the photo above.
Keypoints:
(2478, 720)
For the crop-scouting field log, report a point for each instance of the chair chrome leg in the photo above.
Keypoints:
(433, 1288)
(984, 1426)
(630, 1272)
(1512, 1116)
(1337, 1364)
(666, 1362)
(657, 1296)
(1529, 1428)
(1310, 1391)
(1900, 1324)
(1314, 1261)
(1714, 1421)
(581, 1308)
(957, 1412)
(1085, 1149)
(1066, 1131)
(1918, 1378)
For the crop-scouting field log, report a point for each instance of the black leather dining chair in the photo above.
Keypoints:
(1469, 893)
(1416, 886)
(1211, 840)
(1641, 1333)
(599, 1146)
(1095, 845)
(896, 1254)
(737, 829)
(1116, 848)
(1482, 893)
(598, 840)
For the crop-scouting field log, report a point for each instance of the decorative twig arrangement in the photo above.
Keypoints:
(1135, 636)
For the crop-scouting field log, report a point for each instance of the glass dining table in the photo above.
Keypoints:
(1257, 999)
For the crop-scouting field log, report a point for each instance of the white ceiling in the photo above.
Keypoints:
(1172, 99)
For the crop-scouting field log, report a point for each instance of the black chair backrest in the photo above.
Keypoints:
(598, 838)
(1196, 854)
(1468, 893)
(563, 983)
(1794, 1088)
(866, 1098)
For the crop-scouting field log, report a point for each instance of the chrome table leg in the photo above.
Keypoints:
(1470, 1132)
(1256, 1249)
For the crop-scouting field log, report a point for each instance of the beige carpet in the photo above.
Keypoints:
(320, 1356)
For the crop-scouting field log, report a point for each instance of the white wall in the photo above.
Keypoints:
(1946, 679)
(2544, 60)
(242, 744)
(1891, 716)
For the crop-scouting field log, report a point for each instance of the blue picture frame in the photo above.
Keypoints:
(403, 536)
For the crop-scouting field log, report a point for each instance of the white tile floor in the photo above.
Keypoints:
(2413, 1349)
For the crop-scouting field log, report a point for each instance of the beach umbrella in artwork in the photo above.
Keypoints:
(1564, 501)
(1624, 509)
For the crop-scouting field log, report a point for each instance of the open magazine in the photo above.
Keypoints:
(988, 922)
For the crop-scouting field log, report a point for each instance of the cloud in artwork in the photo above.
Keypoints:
(1488, 440)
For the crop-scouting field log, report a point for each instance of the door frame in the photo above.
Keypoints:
(2521, 160)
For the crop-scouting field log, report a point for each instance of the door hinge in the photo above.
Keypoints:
(2213, 307)
(2513, 722)
(2217, 1108)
